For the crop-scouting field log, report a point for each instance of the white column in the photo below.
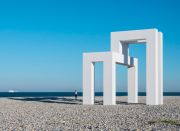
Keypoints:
(133, 83)
(109, 82)
(152, 69)
(160, 66)
(88, 82)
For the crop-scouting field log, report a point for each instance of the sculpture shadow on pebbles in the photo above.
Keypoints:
(67, 100)
(60, 100)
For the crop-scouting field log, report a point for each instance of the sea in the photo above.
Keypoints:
(69, 94)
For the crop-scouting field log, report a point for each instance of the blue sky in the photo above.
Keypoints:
(42, 41)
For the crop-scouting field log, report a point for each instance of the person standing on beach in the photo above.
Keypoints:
(75, 94)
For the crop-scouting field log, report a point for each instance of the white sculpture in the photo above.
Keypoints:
(119, 54)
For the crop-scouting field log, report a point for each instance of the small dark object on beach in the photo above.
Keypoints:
(75, 94)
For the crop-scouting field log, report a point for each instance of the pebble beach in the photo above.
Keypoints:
(65, 113)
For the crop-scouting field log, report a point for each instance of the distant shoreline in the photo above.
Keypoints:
(69, 94)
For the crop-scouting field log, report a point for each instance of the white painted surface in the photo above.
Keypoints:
(120, 54)
(133, 83)
(160, 60)
(109, 81)
(88, 81)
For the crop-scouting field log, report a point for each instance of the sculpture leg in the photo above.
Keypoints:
(133, 83)
(109, 82)
(152, 70)
(88, 82)
(160, 66)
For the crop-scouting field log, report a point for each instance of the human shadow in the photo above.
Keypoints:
(60, 100)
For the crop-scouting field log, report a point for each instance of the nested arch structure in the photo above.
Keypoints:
(120, 54)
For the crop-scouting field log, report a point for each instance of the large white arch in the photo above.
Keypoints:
(109, 59)
(154, 58)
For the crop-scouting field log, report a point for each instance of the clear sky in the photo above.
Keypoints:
(42, 41)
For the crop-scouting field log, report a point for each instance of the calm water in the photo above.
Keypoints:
(56, 94)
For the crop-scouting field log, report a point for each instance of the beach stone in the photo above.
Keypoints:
(64, 113)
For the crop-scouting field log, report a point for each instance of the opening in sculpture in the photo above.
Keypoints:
(119, 54)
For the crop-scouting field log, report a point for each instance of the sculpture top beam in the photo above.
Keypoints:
(121, 39)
